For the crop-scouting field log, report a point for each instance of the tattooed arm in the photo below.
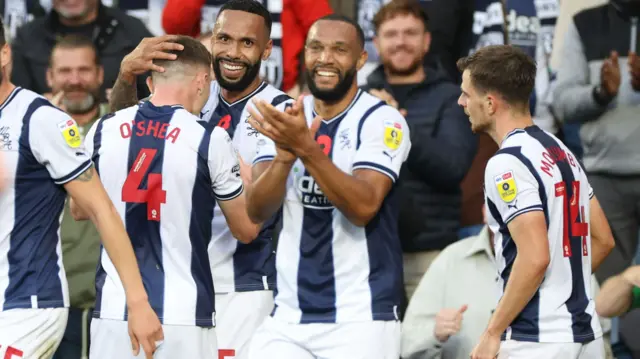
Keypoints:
(124, 93)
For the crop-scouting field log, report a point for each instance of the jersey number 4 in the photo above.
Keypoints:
(571, 213)
(154, 195)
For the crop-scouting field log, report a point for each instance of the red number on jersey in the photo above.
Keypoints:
(225, 121)
(226, 353)
(12, 353)
(154, 195)
(572, 211)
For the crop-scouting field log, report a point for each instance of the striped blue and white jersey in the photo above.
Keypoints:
(164, 171)
(42, 150)
(239, 267)
(534, 171)
(328, 269)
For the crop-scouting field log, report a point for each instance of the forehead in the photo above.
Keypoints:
(401, 21)
(240, 23)
(332, 31)
(466, 85)
(78, 56)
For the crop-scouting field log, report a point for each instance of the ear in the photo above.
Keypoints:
(376, 43)
(150, 84)
(267, 50)
(362, 59)
(491, 103)
(427, 42)
(6, 55)
(101, 75)
(49, 77)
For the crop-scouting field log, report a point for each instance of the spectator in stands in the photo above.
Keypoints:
(114, 34)
(291, 22)
(18, 13)
(75, 76)
(443, 145)
(454, 302)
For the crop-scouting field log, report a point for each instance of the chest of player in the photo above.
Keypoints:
(339, 141)
(235, 120)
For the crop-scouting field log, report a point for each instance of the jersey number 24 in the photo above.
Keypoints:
(154, 195)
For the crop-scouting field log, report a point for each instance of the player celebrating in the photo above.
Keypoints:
(242, 273)
(550, 232)
(44, 157)
(339, 261)
(160, 165)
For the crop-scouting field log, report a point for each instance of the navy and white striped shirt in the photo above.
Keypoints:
(328, 269)
(164, 170)
(42, 149)
(534, 171)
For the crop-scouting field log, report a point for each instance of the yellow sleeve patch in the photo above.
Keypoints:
(506, 185)
(392, 134)
(70, 132)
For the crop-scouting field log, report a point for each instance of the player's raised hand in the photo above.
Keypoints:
(145, 329)
(448, 322)
(140, 60)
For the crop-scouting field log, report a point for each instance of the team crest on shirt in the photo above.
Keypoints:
(70, 132)
(392, 134)
(506, 185)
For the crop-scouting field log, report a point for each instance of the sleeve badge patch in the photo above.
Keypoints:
(506, 185)
(70, 132)
(392, 134)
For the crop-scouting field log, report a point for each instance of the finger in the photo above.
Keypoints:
(614, 58)
(159, 55)
(271, 115)
(135, 346)
(149, 347)
(258, 127)
(463, 309)
(315, 126)
(57, 98)
(164, 38)
(156, 68)
(169, 46)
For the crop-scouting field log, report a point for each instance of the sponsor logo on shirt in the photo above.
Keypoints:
(506, 185)
(70, 132)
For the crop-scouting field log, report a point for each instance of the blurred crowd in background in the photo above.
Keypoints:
(587, 93)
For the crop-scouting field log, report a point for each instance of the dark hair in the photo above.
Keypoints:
(193, 53)
(341, 18)
(75, 41)
(504, 69)
(400, 7)
(3, 39)
(252, 7)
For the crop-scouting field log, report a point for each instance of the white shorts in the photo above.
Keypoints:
(238, 315)
(511, 349)
(31, 333)
(110, 340)
(360, 340)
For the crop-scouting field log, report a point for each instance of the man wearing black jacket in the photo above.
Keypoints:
(114, 34)
(443, 144)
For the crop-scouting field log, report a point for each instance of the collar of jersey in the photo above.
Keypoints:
(11, 96)
(342, 114)
(513, 132)
(253, 93)
(165, 108)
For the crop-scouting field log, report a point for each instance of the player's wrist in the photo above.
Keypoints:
(137, 299)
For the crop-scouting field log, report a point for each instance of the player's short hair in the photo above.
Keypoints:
(400, 7)
(75, 41)
(252, 7)
(504, 69)
(194, 53)
(341, 18)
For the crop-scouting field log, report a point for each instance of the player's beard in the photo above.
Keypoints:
(250, 74)
(80, 107)
(338, 92)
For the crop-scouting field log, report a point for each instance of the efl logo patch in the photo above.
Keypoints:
(392, 134)
(70, 133)
(506, 185)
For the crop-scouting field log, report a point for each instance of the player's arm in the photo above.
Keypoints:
(228, 187)
(513, 196)
(376, 166)
(601, 237)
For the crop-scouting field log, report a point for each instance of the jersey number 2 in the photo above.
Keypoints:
(154, 195)
(571, 214)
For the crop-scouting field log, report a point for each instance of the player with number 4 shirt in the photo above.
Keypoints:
(549, 230)
(165, 172)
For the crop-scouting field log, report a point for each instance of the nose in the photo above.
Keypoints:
(461, 101)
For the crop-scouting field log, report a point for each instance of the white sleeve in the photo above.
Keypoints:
(224, 167)
(88, 138)
(56, 143)
(384, 142)
(511, 187)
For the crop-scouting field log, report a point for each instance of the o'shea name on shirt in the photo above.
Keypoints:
(149, 128)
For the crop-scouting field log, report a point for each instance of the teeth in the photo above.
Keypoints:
(232, 67)
(326, 73)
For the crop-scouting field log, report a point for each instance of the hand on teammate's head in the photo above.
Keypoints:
(140, 60)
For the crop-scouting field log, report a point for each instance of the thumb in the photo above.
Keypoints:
(403, 112)
(315, 126)
(463, 309)
(614, 58)
(57, 99)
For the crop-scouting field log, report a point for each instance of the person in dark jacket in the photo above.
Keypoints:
(443, 144)
(114, 33)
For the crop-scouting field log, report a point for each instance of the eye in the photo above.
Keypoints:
(248, 43)
(223, 38)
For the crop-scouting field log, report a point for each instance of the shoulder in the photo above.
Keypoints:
(218, 134)
(273, 95)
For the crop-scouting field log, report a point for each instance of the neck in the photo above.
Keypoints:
(5, 90)
(416, 77)
(170, 94)
(84, 119)
(328, 110)
(233, 96)
(91, 16)
(509, 122)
